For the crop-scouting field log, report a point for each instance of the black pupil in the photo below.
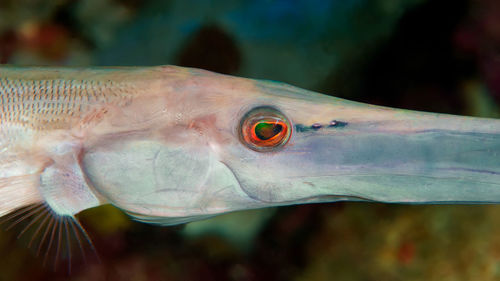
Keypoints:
(265, 131)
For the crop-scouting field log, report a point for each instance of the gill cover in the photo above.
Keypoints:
(162, 184)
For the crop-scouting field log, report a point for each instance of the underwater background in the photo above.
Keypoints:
(434, 55)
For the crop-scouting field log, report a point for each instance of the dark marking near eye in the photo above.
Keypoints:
(301, 128)
(316, 126)
(335, 124)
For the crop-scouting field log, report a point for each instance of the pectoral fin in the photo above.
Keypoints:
(46, 200)
(64, 187)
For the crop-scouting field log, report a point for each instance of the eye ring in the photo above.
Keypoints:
(264, 129)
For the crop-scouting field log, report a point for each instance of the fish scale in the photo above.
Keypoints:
(37, 104)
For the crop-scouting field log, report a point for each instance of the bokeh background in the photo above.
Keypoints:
(441, 56)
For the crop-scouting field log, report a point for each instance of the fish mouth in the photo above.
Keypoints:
(166, 221)
(332, 198)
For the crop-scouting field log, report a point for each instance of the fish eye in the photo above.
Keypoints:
(264, 129)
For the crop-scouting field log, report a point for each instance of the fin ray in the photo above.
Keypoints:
(52, 236)
(17, 192)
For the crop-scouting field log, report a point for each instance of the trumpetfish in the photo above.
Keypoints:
(170, 145)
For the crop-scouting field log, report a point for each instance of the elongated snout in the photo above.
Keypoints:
(341, 150)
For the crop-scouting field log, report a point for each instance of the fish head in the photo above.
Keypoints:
(215, 144)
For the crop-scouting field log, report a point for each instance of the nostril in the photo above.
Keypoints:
(335, 123)
(316, 126)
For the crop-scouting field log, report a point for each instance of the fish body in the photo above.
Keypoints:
(170, 145)
(46, 117)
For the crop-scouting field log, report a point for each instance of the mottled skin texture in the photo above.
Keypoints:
(163, 144)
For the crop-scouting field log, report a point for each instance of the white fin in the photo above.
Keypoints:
(42, 194)
(65, 190)
(63, 184)
(19, 180)
(18, 191)
(54, 238)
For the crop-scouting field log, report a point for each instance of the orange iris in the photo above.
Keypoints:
(265, 129)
